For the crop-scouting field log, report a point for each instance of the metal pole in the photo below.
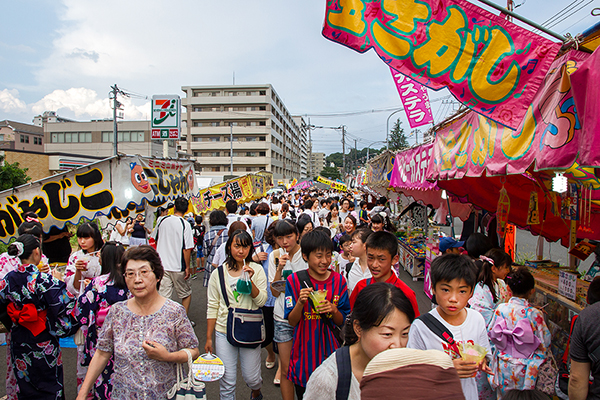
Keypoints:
(115, 106)
(387, 129)
(231, 148)
(523, 19)
(355, 157)
(343, 150)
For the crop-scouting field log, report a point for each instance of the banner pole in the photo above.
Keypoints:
(523, 19)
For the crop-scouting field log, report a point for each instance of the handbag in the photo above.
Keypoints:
(187, 388)
(245, 328)
(547, 373)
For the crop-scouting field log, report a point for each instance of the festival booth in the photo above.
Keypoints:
(379, 173)
(542, 177)
(417, 243)
(243, 189)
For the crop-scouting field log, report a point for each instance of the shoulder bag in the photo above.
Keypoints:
(187, 388)
(440, 330)
(344, 367)
(245, 328)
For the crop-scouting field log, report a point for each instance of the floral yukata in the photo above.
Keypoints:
(34, 350)
(136, 376)
(522, 339)
(91, 309)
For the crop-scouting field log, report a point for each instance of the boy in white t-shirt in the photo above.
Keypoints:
(452, 280)
(359, 269)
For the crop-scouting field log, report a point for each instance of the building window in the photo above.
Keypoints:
(248, 169)
(196, 138)
(37, 140)
(250, 139)
(215, 154)
(24, 138)
(262, 153)
(196, 123)
(216, 169)
(263, 93)
(262, 138)
(215, 139)
(197, 154)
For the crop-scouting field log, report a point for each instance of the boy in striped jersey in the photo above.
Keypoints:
(314, 339)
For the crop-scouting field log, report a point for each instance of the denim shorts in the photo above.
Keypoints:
(284, 332)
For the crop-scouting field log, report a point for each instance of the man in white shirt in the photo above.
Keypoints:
(174, 244)
(325, 209)
(311, 208)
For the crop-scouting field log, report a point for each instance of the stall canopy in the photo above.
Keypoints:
(114, 187)
(409, 178)
(379, 172)
(474, 157)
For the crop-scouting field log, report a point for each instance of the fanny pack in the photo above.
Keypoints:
(245, 328)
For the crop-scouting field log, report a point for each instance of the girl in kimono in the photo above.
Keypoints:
(38, 305)
(521, 337)
(93, 305)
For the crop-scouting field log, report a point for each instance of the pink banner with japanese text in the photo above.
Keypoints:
(493, 66)
(551, 136)
(415, 99)
(410, 169)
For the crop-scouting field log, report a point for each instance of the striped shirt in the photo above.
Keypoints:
(313, 340)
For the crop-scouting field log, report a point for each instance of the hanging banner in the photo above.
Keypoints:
(379, 169)
(114, 187)
(415, 100)
(549, 137)
(410, 169)
(332, 184)
(243, 189)
(488, 63)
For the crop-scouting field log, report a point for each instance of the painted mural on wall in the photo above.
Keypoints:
(493, 66)
(113, 187)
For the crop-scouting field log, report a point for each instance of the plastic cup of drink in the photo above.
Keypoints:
(318, 296)
(244, 286)
(286, 272)
(86, 260)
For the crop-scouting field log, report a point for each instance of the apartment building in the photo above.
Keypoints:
(252, 121)
(19, 136)
(304, 145)
(317, 163)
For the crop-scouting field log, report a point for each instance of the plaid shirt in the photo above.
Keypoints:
(210, 250)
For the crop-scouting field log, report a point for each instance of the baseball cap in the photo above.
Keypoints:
(448, 243)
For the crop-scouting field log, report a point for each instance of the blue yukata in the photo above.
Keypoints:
(34, 348)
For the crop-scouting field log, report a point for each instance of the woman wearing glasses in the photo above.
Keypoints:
(146, 334)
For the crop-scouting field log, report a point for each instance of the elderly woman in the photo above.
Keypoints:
(38, 306)
(147, 334)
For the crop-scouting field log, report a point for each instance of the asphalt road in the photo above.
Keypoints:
(526, 248)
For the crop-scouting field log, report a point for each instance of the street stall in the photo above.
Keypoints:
(542, 177)
(114, 187)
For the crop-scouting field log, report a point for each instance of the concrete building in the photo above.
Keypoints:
(304, 146)
(17, 135)
(95, 138)
(317, 163)
(265, 135)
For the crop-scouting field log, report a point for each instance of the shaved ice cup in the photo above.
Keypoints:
(472, 352)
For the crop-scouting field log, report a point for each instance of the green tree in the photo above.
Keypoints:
(398, 140)
(11, 175)
(335, 158)
(331, 173)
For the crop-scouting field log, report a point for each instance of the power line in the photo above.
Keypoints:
(560, 13)
(372, 111)
(574, 12)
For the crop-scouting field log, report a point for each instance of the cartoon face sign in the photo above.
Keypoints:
(190, 178)
(139, 179)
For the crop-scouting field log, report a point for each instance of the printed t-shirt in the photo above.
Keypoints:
(313, 339)
(472, 330)
(297, 263)
(394, 280)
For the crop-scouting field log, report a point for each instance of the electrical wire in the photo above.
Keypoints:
(568, 27)
(560, 13)
(372, 111)
(573, 13)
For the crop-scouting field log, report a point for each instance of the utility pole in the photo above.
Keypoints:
(343, 149)
(355, 157)
(116, 106)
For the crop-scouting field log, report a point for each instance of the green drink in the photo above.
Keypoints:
(244, 286)
(285, 273)
(317, 296)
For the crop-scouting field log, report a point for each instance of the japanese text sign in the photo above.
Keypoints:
(166, 117)
(113, 187)
(242, 190)
(415, 100)
(332, 184)
(567, 285)
(410, 169)
(488, 63)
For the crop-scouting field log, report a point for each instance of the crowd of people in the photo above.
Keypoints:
(311, 277)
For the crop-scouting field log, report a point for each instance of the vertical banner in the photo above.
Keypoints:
(415, 99)
(509, 240)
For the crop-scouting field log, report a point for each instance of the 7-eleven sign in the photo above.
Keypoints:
(166, 117)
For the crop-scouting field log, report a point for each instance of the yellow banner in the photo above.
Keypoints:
(243, 189)
(332, 184)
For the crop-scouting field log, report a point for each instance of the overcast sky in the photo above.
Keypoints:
(65, 55)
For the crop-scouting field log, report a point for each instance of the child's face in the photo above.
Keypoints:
(86, 243)
(347, 247)
(239, 252)
(348, 225)
(452, 297)
(319, 262)
(453, 250)
(377, 226)
(380, 262)
(500, 272)
(392, 333)
(287, 242)
(364, 207)
(357, 248)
